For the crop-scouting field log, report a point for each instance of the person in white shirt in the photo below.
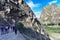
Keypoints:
(6, 29)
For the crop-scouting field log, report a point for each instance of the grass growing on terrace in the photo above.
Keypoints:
(52, 30)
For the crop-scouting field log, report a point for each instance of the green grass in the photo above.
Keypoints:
(58, 39)
(52, 30)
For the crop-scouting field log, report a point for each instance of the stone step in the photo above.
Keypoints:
(12, 36)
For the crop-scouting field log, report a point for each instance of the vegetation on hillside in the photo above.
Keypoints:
(20, 26)
(51, 24)
(52, 30)
(59, 24)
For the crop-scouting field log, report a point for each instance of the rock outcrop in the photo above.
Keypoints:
(50, 14)
(14, 11)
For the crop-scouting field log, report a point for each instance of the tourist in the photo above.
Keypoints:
(15, 30)
(13, 26)
(10, 29)
(2, 29)
(6, 29)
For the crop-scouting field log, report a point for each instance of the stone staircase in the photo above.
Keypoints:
(11, 36)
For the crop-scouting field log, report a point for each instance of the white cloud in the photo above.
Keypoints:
(32, 5)
(54, 1)
(37, 14)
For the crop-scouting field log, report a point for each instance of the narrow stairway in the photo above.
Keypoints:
(11, 36)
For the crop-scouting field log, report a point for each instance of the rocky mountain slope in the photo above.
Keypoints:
(14, 11)
(50, 14)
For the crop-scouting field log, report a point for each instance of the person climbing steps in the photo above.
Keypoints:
(2, 30)
(6, 29)
(15, 30)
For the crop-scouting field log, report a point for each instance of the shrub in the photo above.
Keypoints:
(51, 24)
(58, 23)
(20, 26)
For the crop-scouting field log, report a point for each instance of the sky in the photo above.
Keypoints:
(38, 5)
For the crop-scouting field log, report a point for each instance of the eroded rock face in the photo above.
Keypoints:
(18, 11)
(50, 14)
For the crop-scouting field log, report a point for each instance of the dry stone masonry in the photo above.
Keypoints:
(14, 11)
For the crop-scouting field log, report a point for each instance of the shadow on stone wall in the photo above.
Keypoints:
(33, 34)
